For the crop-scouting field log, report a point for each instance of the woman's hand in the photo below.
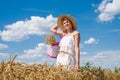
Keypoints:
(77, 67)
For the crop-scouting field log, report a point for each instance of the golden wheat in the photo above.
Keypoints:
(21, 71)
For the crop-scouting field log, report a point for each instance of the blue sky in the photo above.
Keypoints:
(24, 24)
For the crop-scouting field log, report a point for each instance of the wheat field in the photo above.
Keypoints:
(11, 70)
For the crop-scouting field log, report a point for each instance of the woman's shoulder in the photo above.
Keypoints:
(75, 32)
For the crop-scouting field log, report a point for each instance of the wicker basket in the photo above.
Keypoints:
(53, 48)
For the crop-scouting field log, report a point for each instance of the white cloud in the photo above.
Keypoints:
(22, 29)
(0, 33)
(34, 53)
(37, 55)
(83, 53)
(99, 55)
(108, 10)
(107, 59)
(105, 17)
(4, 55)
(91, 41)
(3, 46)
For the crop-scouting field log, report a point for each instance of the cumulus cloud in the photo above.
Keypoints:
(4, 55)
(91, 41)
(108, 10)
(83, 53)
(21, 30)
(38, 55)
(0, 33)
(105, 17)
(3, 46)
(106, 59)
(34, 53)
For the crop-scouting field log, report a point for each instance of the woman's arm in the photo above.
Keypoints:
(54, 30)
(77, 52)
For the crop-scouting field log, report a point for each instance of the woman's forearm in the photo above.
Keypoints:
(54, 28)
(77, 56)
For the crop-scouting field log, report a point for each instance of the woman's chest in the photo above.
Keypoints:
(67, 40)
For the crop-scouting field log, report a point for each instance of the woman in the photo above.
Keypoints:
(69, 54)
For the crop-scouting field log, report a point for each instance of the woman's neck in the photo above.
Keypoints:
(69, 31)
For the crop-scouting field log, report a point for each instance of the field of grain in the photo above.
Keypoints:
(11, 70)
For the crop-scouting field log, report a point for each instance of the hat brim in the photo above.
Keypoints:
(72, 20)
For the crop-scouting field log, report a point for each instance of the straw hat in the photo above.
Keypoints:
(61, 18)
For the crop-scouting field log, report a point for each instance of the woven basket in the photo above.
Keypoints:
(50, 39)
(53, 48)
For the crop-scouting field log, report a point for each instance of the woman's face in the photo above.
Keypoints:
(67, 24)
